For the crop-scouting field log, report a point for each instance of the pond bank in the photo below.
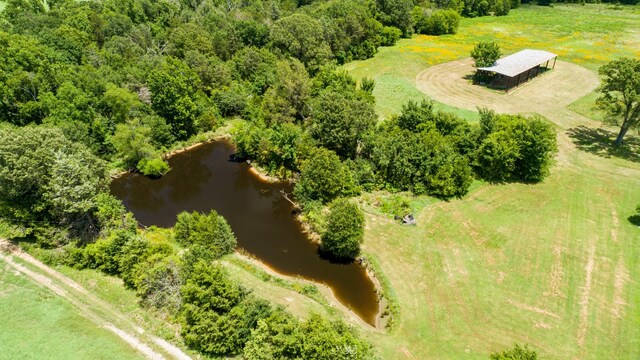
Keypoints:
(205, 178)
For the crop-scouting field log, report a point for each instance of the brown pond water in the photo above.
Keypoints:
(206, 178)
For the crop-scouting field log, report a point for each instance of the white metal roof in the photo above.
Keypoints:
(519, 62)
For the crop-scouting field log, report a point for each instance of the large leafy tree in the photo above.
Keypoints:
(621, 94)
(339, 121)
(302, 37)
(485, 54)
(324, 177)
(396, 13)
(287, 100)
(345, 229)
(173, 95)
(514, 147)
(43, 175)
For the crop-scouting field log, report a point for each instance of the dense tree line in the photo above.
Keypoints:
(85, 86)
(129, 79)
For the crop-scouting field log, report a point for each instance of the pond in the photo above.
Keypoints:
(206, 178)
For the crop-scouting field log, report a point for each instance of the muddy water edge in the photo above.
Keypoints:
(206, 177)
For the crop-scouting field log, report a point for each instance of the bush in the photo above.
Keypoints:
(154, 167)
(211, 318)
(332, 340)
(275, 337)
(160, 283)
(389, 35)
(345, 230)
(501, 7)
(105, 253)
(423, 151)
(276, 148)
(517, 353)
(496, 157)
(210, 230)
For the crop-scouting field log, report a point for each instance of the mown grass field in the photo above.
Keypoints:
(555, 264)
(588, 35)
(37, 324)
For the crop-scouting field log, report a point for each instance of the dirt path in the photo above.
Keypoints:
(90, 306)
(544, 95)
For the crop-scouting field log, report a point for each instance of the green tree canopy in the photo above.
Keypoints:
(210, 230)
(345, 229)
(485, 54)
(324, 177)
(514, 147)
(621, 94)
(302, 37)
(173, 87)
(340, 120)
(44, 175)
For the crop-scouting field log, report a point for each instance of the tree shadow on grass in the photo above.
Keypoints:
(634, 219)
(600, 142)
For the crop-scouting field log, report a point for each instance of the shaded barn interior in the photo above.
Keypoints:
(513, 70)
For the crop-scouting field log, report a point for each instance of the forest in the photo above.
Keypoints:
(92, 88)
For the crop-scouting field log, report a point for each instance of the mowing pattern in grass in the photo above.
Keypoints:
(587, 35)
(36, 324)
(551, 265)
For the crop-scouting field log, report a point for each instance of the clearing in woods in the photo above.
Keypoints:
(549, 264)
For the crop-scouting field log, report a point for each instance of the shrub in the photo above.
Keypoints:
(105, 253)
(134, 253)
(501, 7)
(424, 162)
(332, 340)
(210, 230)
(389, 35)
(275, 337)
(160, 283)
(517, 353)
(345, 229)
(496, 157)
(217, 316)
(154, 167)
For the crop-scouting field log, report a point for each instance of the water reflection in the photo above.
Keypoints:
(205, 178)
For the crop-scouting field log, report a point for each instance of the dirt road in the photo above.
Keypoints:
(545, 95)
(88, 305)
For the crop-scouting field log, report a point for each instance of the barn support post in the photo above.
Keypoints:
(554, 62)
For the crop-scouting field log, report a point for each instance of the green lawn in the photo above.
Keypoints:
(37, 324)
(588, 35)
(553, 264)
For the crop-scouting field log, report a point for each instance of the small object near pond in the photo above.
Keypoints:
(408, 219)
